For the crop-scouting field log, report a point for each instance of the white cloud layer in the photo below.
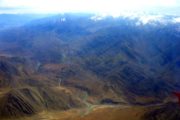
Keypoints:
(101, 6)
(176, 20)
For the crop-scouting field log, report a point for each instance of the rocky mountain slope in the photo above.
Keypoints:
(76, 60)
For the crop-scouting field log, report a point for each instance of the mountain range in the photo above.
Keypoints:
(85, 62)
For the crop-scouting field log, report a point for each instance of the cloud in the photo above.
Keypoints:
(150, 18)
(176, 20)
(101, 6)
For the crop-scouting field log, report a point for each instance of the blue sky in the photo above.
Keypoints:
(98, 6)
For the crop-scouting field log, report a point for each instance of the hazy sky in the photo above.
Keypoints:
(100, 6)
